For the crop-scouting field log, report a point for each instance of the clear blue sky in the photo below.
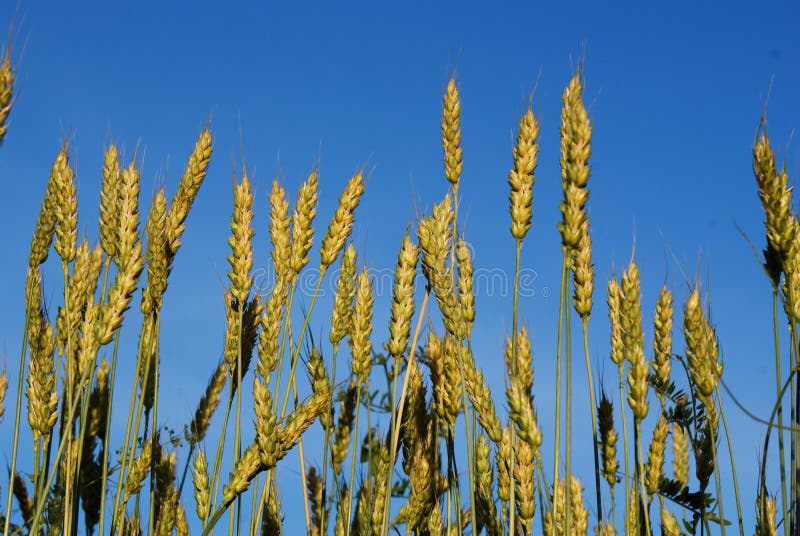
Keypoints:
(675, 90)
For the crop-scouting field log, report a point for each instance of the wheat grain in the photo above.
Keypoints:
(654, 470)
(302, 224)
(266, 424)
(202, 491)
(580, 515)
(361, 331)
(268, 336)
(109, 201)
(481, 397)
(380, 489)
(445, 377)
(344, 427)
(41, 380)
(245, 470)
(576, 134)
(524, 491)
(7, 79)
(241, 241)
(583, 274)
(139, 470)
(3, 389)
(316, 493)
(663, 336)
(156, 254)
(341, 224)
(503, 461)
(129, 258)
(702, 350)
(669, 525)
(342, 312)
(680, 455)
(631, 320)
(608, 440)
(766, 510)
(615, 319)
(451, 132)
(403, 298)
(466, 294)
(25, 502)
(485, 509)
(189, 185)
(776, 199)
(521, 178)
(45, 228)
(208, 404)
(66, 207)
(298, 422)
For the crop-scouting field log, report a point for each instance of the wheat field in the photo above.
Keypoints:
(396, 436)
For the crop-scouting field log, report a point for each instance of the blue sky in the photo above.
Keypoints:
(675, 91)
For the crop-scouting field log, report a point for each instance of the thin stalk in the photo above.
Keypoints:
(296, 354)
(716, 477)
(470, 447)
(155, 351)
(411, 363)
(137, 408)
(237, 433)
(624, 432)
(733, 463)
(592, 405)
(302, 463)
(568, 432)
(81, 435)
(640, 467)
(69, 426)
(106, 438)
(613, 509)
(253, 513)
(781, 451)
(215, 472)
(513, 372)
(326, 448)
(559, 347)
(353, 462)
(282, 348)
(762, 472)
(185, 471)
(17, 410)
(795, 493)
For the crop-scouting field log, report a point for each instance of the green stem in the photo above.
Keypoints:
(781, 450)
(154, 351)
(733, 464)
(470, 446)
(568, 431)
(559, 345)
(353, 462)
(411, 363)
(17, 410)
(327, 445)
(624, 434)
(215, 472)
(593, 406)
(296, 353)
(112, 376)
(640, 467)
(717, 483)
(133, 407)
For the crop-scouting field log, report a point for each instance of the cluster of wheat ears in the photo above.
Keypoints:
(448, 461)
